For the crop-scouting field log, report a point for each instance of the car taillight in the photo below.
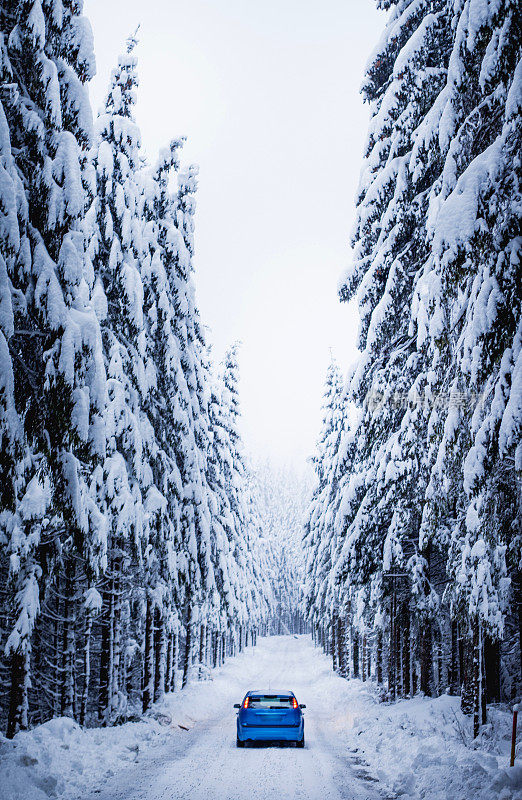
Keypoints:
(295, 704)
(246, 702)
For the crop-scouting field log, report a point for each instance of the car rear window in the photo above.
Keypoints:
(270, 701)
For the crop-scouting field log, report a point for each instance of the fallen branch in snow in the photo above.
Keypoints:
(460, 729)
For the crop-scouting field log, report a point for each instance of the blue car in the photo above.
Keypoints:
(270, 717)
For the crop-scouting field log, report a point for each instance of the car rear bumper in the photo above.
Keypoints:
(293, 733)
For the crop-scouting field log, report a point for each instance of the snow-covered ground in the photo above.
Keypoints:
(356, 748)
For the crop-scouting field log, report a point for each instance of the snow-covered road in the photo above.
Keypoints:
(356, 747)
(205, 764)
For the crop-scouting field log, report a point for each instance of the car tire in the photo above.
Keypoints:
(301, 742)
(239, 743)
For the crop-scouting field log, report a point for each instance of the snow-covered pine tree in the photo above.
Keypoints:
(181, 366)
(235, 477)
(170, 416)
(240, 544)
(472, 292)
(404, 76)
(114, 232)
(260, 567)
(321, 600)
(13, 244)
(197, 578)
(223, 521)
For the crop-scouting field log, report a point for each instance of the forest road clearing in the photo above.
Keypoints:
(206, 765)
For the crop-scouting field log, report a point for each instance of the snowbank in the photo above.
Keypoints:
(424, 748)
(59, 758)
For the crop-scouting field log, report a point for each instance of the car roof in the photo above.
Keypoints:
(270, 692)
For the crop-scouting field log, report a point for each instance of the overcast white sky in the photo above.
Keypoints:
(267, 92)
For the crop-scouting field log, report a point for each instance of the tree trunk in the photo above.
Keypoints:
(333, 642)
(454, 676)
(175, 661)
(355, 649)
(466, 697)
(168, 667)
(412, 660)
(445, 656)
(517, 584)
(435, 647)
(492, 669)
(405, 652)
(17, 719)
(39, 664)
(378, 659)
(116, 644)
(392, 655)
(55, 697)
(202, 647)
(477, 677)
(340, 646)
(86, 668)
(187, 656)
(214, 649)
(68, 645)
(128, 675)
(159, 656)
(208, 647)
(347, 647)
(425, 649)
(104, 689)
(148, 658)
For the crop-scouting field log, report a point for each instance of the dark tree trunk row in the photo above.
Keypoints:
(416, 654)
